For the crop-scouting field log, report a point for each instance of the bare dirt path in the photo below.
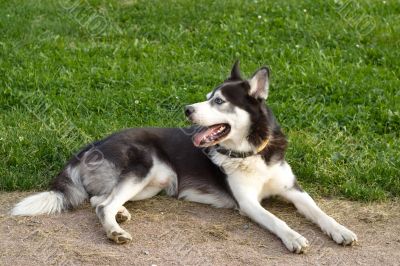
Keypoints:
(172, 232)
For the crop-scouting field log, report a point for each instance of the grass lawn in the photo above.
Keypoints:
(72, 71)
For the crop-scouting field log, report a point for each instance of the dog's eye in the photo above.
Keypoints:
(218, 100)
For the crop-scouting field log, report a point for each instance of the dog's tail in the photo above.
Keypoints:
(67, 191)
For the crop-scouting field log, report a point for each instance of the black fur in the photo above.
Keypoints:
(62, 183)
(235, 72)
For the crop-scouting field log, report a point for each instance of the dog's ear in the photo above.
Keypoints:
(259, 83)
(235, 72)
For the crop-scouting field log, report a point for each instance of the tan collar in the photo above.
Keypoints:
(263, 145)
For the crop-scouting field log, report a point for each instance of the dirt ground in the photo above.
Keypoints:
(170, 232)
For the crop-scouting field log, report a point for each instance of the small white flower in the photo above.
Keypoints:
(297, 46)
(357, 45)
(136, 101)
(305, 10)
(259, 17)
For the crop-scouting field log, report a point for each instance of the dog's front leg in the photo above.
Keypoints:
(306, 205)
(255, 211)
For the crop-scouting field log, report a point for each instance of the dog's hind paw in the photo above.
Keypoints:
(296, 243)
(122, 215)
(119, 237)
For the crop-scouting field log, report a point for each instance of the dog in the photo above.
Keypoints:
(232, 157)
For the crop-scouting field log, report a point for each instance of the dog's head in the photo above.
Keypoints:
(233, 112)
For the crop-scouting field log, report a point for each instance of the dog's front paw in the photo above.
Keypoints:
(342, 235)
(119, 237)
(295, 242)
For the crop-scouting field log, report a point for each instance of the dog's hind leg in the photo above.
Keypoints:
(97, 200)
(122, 214)
(109, 208)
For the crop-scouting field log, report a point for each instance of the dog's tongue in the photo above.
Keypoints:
(201, 137)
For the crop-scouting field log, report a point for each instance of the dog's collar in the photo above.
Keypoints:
(238, 154)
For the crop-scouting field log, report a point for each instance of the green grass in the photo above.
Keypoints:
(334, 88)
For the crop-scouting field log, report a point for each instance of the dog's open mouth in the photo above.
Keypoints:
(208, 136)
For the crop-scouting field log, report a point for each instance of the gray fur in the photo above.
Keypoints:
(101, 180)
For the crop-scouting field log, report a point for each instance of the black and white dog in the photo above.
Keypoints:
(233, 158)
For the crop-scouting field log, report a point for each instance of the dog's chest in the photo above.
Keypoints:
(253, 176)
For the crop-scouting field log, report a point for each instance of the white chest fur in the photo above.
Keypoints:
(252, 176)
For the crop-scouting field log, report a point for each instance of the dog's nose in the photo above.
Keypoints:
(189, 110)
